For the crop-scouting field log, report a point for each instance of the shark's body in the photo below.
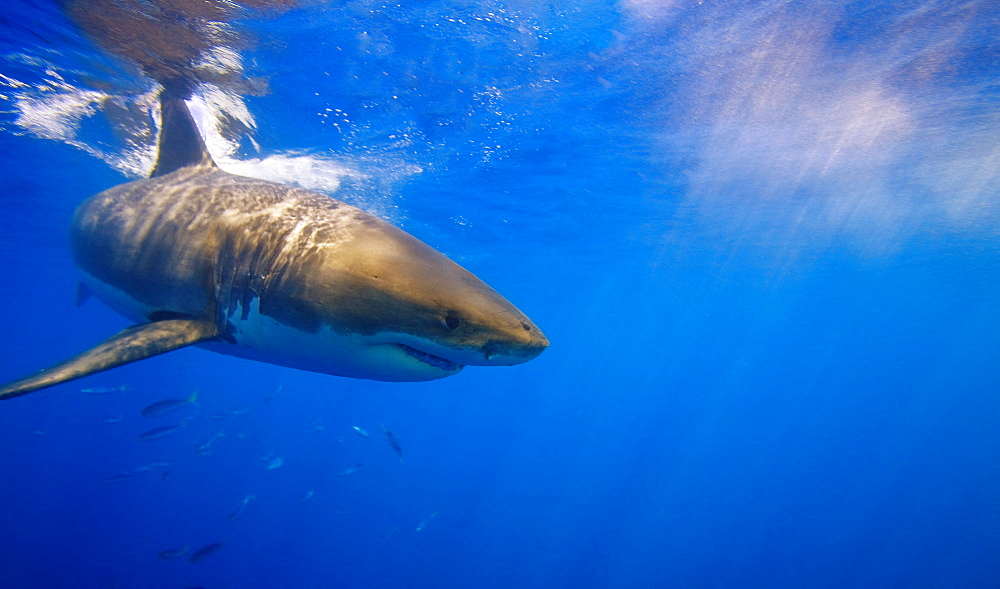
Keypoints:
(278, 274)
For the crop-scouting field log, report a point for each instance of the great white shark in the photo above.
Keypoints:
(197, 256)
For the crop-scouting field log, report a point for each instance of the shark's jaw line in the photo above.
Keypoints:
(431, 359)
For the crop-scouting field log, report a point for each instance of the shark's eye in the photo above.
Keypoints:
(452, 321)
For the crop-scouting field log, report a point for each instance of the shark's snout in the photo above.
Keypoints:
(520, 346)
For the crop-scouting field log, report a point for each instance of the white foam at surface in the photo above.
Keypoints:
(221, 59)
(209, 105)
(306, 171)
(59, 116)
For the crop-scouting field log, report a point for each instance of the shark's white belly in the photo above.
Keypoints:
(259, 337)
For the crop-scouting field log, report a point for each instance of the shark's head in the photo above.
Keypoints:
(408, 311)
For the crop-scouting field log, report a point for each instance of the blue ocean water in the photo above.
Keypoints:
(762, 238)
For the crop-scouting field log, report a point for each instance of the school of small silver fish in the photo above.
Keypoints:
(190, 407)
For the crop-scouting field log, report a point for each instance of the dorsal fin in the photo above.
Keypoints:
(181, 145)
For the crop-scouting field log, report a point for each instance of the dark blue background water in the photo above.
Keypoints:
(762, 239)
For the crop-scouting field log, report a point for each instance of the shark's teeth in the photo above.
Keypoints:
(435, 361)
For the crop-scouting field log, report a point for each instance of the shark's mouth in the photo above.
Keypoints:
(435, 361)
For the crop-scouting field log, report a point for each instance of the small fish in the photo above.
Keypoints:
(309, 495)
(360, 431)
(350, 470)
(205, 447)
(391, 438)
(38, 432)
(168, 406)
(275, 462)
(240, 507)
(116, 478)
(114, 419)
(318, 425)
(160, 464)
(273, 394)
(174, 553)
(103, 390)
(205, 551)
(159, 432)
(426, 521)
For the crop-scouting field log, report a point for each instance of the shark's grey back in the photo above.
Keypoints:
(155, 236)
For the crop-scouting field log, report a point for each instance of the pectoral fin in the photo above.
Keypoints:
(129, 345)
